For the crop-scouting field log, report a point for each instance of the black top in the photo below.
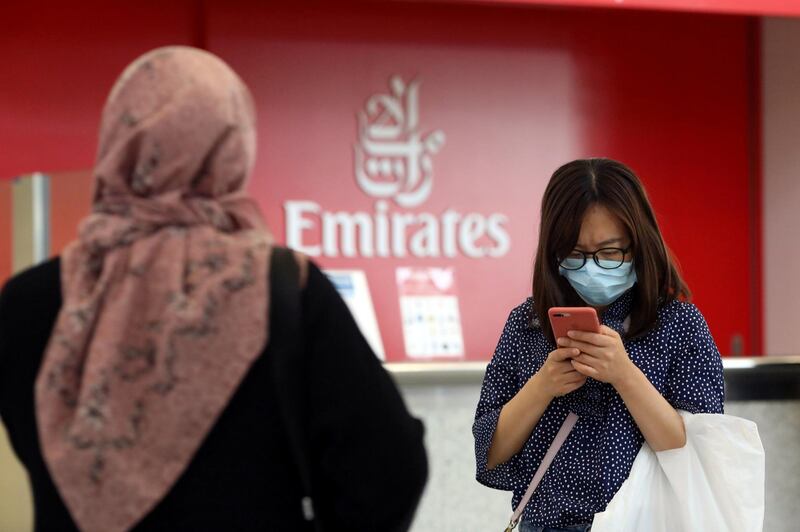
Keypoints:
(366, 452)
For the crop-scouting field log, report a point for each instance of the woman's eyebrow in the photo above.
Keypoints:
(603, 244)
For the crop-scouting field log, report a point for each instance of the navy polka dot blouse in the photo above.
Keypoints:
(678, 356)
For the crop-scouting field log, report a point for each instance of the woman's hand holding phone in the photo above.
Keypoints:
(557, 376)
(602, 355)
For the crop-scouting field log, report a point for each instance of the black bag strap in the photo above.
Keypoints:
(286, 349)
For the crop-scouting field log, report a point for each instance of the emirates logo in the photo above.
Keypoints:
(393, 159)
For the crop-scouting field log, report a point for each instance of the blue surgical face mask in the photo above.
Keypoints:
(598, 286)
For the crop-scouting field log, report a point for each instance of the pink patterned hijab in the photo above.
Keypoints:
(165, 291)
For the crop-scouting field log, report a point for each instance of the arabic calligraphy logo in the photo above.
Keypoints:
(393, 159)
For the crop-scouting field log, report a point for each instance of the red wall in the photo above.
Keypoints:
(58, 62)
(517, 91)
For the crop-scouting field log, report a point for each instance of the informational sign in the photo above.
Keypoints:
(429, 310)
(352, 286)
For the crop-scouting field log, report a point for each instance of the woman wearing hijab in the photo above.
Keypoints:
(135, 375)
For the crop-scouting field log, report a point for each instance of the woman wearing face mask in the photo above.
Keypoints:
(599, 246)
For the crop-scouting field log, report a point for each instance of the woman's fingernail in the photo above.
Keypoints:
(562, 341)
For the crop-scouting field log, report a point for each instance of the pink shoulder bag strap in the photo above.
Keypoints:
(561, 437)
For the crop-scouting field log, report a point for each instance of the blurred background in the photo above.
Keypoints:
(405, 146)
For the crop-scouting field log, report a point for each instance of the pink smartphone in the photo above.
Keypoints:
(564, 319)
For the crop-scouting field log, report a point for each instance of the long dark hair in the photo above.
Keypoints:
(572, 190)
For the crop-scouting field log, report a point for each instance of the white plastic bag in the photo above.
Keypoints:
(714, 483)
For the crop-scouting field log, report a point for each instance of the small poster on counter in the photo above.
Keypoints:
(352, 286)
(429, 310)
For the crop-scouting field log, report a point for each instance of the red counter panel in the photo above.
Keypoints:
(513, 93)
